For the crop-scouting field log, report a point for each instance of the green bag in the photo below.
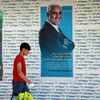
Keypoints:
(25, 96)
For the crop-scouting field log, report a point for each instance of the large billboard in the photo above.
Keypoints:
(56, 50)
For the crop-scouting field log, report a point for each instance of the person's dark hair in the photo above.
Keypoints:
(25, 45)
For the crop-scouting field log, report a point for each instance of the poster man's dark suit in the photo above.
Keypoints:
(52, 41)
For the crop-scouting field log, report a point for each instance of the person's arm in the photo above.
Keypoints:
(68, 44)
(21, 74)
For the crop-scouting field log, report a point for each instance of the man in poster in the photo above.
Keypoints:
(54, 45)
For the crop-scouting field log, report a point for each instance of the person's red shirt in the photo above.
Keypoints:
(18, 59)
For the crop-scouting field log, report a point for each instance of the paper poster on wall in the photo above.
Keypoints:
(1, 19)
(55, 40)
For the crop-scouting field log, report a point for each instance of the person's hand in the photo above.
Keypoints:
(29, 82)
(31, 85)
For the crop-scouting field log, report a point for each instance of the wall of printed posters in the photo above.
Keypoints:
(22, 20)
